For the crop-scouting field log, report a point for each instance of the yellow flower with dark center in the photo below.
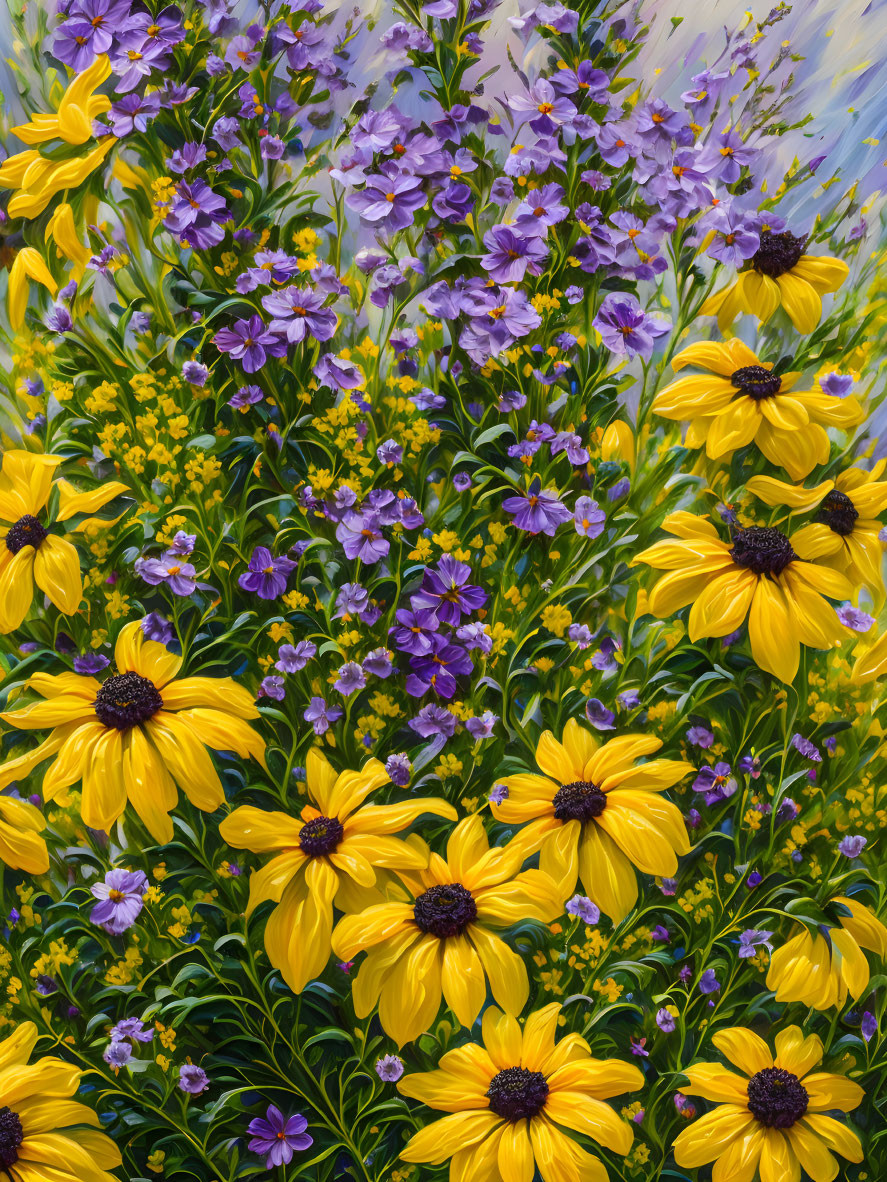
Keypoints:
(779, 273)
(597, 814)
(740, 401)
(135, 735)
(758, 575)
(44, 1133)
(339, 851)
(37, 178)
(511, 1100)
(30, 552)
(844, 532)
(441, 938)
(821, 968)
(772, 1117)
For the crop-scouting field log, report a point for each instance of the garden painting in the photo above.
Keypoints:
(443, 625)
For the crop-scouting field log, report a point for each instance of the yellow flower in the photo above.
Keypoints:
(844, 533)
(872, 663)
(44, 1131)
(771, 1118)
(440, 939)
(740, 401)
(511, 1100)
(820, 969)
(21, 846)
(27, 266)
(332, 852)
(779, 273)
(757, 574)
(31, 552)
(597, 816)
(135, 735)
(37, 177)
(63, 232)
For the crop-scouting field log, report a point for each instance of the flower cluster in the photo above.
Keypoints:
(442, 523)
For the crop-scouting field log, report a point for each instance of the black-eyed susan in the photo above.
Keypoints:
(597, 814)
(44, 1133)
(331, 854)
(757, 575)
(21, 846)
(822, 968)
(31, 552)
(772, 1118)
(779, 273)
(440, 936)
(871, 664)
(135, 735)
(844, 531)
(511, 1101)
(740, 401)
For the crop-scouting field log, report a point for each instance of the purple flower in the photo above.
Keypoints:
(120, 900)
(278, 1137)
(389, 452)
(266, 576)
(438, 669)
(361, 537)
(838, 385)
(708, 982)
(168, 569)
(539, 511)
(389, 1068)
(852, 847)
(588, 518)
(133, 113)
(320, 715)
(482, 727)
(806, 748)
(626, 328)
(272, 687)
(195, 373)
(447, 593)
(337, 373)
(298, 313)
(580, 634)
(715, 784)
(639, 1047)
(90, 663)
(249, 342)
(416, 630)
(245, 396)
(349, 679)
(197, 214)
(548, 109)
(389, 201)
(700, 736)
(851, 617)
(133, 1029)
(629, 699)
(751, 940)
(158, 628)
(583, 907)
(399, 769)
(498, 793)
(192, 1079)
(434, 720)
(117, 1054)
(599, 716)
(292, 658)
(734, 242)
(509, 256)
(378, 663)
(868, 1026)
(665, 1021)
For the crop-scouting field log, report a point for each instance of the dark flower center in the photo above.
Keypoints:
(27, 531)
(778, 253)
(125, 700)
(320, 836)
(762, 549)
(445, 910)
(516, 1093)
(579, 801)
(11, 1136)
(838, 512)
(756, 382)
(776, 1098)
